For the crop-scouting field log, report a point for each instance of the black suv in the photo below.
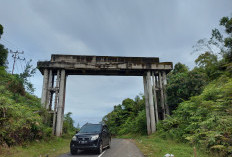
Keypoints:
(91, 137)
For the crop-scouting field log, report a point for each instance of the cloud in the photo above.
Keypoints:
(160, 28)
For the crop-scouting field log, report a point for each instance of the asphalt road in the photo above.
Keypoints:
(119, 148)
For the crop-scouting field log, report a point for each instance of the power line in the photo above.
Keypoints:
(16, 57)
(11, 43)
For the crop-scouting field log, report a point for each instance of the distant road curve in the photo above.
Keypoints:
(119, 148)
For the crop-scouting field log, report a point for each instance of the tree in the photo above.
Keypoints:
(1, 30)
(209, 64)
(227, 23)
(68, 123)
(28, 72)
(182, 84)
(3, 51)
(218, 46)
(179, 68)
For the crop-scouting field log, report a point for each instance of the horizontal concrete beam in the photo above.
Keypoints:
(107, 59)
(104, 65)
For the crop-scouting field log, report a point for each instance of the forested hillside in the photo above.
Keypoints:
(22, 119)
(200, 99)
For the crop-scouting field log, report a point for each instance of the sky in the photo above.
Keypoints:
(143, 28)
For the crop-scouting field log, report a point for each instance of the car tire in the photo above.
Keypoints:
(73, 151)
(100, 148)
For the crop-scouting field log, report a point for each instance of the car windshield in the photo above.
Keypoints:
(93, 128)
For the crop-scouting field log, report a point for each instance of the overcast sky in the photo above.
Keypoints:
(156, 28)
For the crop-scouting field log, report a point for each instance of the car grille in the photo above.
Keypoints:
(83, 139)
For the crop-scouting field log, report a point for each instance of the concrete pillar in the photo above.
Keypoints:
(151, 103)
(49, 93)
(147, 105)
(155, 97)
(165, 93)
(60, 104)
(161, 94)
(56, 101)
(45, 88)
(63, 104)
(52, 92)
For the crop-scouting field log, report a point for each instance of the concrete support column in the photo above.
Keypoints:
(161, 94)
(63, 103)
(52, 92)
(147, 105)
(165, 93)
(56, 101)
(151, 103)
(45, 88)
(49, 93)
(60, 104)
(155, 97)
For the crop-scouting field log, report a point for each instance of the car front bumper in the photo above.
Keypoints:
(90, 145)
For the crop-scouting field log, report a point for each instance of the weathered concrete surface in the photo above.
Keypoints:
(104, 65)
(45, 88)
(60, 107)
(151, 102)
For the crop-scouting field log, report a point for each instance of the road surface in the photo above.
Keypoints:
(119, 148)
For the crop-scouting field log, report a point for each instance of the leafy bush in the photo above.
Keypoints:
(205, 120)
(21, 117)
(19, 123)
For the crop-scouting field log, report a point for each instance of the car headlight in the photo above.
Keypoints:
(94, 137)
(74, 138)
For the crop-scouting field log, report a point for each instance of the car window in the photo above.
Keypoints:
(95, 128)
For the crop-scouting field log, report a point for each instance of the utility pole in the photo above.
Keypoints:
(16, 57)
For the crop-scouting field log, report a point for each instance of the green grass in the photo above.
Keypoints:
(155, 146)
(49, 148)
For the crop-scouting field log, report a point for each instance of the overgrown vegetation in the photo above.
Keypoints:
(22, 118)
(200, 100)
(204, 120)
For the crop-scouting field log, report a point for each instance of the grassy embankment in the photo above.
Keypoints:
(24, 130)
(155, 146)
(41, 148)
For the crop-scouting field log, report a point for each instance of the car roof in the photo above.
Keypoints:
(95, 124)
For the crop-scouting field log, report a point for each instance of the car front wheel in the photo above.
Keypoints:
(100, 148)
(73, 151)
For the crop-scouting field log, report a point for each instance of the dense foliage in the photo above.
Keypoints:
(200, 99)
(128, 117)
(182, 84)
(21, 115)
(204, 120)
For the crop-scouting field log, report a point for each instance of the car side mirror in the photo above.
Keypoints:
(77, 131)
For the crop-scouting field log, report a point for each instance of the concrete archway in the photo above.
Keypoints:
(59, 67)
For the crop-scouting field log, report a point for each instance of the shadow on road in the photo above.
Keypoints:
(85, 153)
